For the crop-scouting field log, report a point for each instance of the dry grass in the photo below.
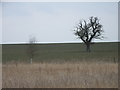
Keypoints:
(0, 76)
(64, 75)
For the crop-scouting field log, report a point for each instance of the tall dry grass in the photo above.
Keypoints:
(0, 75)
(64, 75)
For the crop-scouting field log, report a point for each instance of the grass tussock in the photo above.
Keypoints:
(60, 75)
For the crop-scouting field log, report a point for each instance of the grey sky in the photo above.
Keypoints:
(54, 22)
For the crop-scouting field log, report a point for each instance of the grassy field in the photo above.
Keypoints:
(61, 52)
(60, 66)
(64, 75)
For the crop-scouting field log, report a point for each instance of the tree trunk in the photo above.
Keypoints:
(88, 47)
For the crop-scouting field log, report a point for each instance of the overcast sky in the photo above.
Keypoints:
(54, 22)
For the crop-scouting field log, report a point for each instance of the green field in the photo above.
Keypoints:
(61, 52)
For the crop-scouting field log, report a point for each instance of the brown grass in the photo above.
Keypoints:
(64, 75)
(0, 75)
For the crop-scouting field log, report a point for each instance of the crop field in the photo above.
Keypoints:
(60, 66)
(61, 52)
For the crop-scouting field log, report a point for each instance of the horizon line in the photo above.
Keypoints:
(55, 42)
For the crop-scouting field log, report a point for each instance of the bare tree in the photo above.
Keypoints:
(32, 48)
(87, 31)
